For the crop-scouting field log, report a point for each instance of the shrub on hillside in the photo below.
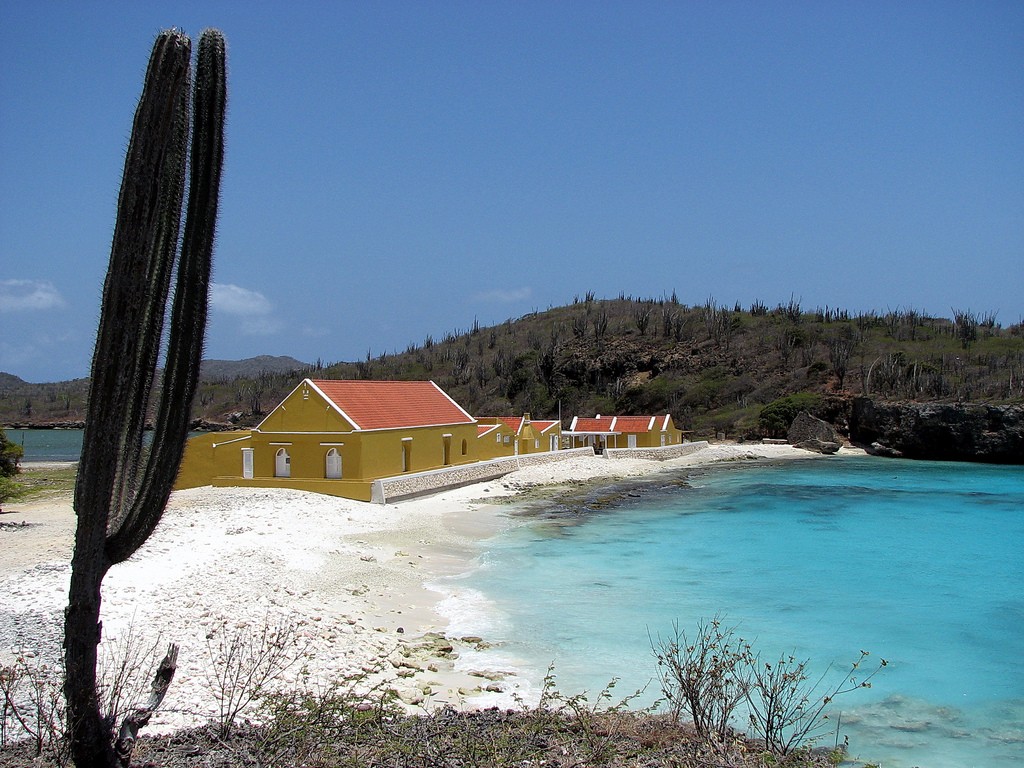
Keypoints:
(776, 417)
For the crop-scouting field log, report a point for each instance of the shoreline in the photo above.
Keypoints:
(359, 586)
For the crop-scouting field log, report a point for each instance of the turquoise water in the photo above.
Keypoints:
(51, 444)
(48, 444)
(916, 562)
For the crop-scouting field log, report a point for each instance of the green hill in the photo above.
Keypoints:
(712, 367)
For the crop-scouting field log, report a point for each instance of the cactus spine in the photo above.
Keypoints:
(123, 487)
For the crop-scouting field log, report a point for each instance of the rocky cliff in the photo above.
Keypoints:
(943, 431)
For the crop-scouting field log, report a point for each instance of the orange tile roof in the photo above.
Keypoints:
(633, 424)
(619, 424)
(587, 424)
(543, 426)
(515, 423)
(392, 404)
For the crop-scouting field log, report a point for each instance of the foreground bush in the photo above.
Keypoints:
(358, 720)
(347, 725)
(492, 737)
(714, 673)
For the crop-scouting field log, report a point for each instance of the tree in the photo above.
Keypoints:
(10, 455)
(642, 317)
(123, 487)
(966, 323)
(841, 345)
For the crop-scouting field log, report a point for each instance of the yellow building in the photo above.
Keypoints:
(517, 435)
(337, 437)
(495, 438)
(602, 432)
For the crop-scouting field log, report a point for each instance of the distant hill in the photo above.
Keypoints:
(227, 370)
(26, 404)
(64, 402)
(713, 367)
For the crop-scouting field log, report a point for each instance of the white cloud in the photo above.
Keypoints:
(28, 295)
(255, 311)
(509, 296)
(235, 300)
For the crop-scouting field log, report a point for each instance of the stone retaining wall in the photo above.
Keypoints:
(408, 486)
(661, 453)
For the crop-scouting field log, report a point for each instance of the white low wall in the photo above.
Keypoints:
(661, 453)
(421, 483)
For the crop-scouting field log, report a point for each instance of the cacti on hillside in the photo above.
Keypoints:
(123, 486)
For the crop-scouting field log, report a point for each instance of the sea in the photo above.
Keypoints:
(917, 563)
(51, 444)
(48, 444)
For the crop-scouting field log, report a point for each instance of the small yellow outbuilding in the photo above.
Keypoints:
(517, 435)
(623, 432)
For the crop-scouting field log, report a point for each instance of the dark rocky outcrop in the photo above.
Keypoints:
(46, 425)
(942, 431)
(813, 434)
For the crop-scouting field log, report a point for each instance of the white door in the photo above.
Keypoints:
(282, 464)
(333, 469)
(631, 441)
(247, 470)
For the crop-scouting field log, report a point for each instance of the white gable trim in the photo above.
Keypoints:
(279, 407)
(469, 418)
(334, 406)
(235, 440)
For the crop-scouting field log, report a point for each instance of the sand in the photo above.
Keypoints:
(349, 582)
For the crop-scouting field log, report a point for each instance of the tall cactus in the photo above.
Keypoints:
(123, 486)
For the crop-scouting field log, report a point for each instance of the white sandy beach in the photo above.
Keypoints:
(352, 577)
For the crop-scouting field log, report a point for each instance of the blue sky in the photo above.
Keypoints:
(399, 169)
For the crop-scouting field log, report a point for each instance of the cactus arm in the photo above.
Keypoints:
(143, 351)
(122, 489)
(189, 310)
(144, 245)
(145, 232)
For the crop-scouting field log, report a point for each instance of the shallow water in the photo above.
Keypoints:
(48, 444)
(917, 562)
(52, 444)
